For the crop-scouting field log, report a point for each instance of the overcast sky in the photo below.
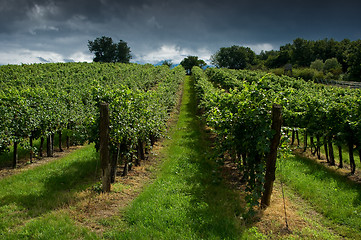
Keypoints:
(58, 30)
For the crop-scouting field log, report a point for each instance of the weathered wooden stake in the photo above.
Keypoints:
(104, 146)
(272, 156)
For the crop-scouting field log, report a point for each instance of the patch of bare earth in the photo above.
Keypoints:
(24, 164)
(272, 220)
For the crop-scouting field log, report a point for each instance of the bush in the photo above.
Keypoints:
(277, 71)
(318, 75)
(317, 65)
(306, 73)
(332, 64)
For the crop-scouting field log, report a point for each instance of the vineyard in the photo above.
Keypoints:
(43, 101)
(38, 101)
(237, 105)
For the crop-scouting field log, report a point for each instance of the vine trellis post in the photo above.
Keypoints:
(104, 146)
(272, 156)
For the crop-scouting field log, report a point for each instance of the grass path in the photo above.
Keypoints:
(328, 192)
(189, 199)
(28, 199)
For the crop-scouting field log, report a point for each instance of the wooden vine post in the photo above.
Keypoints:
(272, 156)
(104, 146)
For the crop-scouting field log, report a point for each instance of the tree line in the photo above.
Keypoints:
(326, 58)
(303, 52)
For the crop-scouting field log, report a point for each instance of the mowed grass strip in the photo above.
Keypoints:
(189, 199)
(345, 153)
(331, 194)
(28, 198)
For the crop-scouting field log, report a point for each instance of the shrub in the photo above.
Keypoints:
(332, 64)
(278, 71)
(317, 65)
(305, 73)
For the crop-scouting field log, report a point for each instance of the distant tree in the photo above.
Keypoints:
(332, 65)
(192, 61)
(107, 51)
(302, 52)
(277, 59)
(235, 57)
(319, 49)
(123, 52)
(317, 64)
(167, 63)
(344, 45)
(353, 61)
(264, 55)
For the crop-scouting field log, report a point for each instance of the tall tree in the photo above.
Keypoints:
(235, 57)
(107, 51)
(189, 62)
(122, 52)
(354, 60)
(168, 63)
(302, 53)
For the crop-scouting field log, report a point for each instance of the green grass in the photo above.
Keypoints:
(188, 200)
(334, 196)
(28, 198)
(6, 158)
(51, 226)
(345, 156)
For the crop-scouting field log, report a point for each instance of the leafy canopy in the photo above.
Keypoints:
(235, 57)
(189, 62)
(168, 63)
(107, 51)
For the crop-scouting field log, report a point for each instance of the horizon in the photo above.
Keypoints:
(39, 31)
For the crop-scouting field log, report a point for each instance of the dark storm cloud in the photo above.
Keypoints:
(154, 29)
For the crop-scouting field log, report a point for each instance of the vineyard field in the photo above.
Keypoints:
(37, 101)
(211, 153)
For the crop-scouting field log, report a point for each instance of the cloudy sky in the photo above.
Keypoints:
(58, 30)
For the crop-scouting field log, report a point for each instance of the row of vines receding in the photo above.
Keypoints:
(237, 106)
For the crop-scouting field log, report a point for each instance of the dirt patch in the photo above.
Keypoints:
(24, 164)
(272, 220)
